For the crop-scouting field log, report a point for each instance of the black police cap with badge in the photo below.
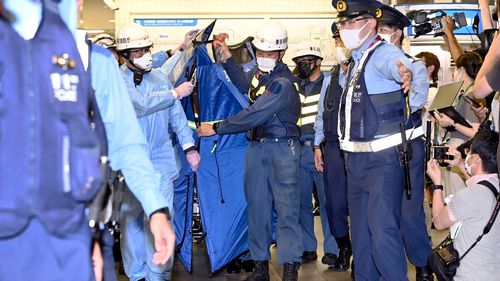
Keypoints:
(391, 16)
(354, 8)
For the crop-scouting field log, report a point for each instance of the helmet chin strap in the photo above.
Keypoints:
(138, 73)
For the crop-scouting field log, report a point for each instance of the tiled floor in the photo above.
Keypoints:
(315, 271)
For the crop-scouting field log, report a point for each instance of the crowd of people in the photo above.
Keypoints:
(356, 134)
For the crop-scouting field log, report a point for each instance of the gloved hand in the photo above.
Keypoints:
(184, 90)
(193, 158)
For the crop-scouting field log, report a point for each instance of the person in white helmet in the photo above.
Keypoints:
(108, 42)
(308, 59)
(157, 107)
(272, 159)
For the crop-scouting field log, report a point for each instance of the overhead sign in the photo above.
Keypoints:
(166, 22)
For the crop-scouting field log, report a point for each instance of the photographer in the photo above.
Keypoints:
(470, 209)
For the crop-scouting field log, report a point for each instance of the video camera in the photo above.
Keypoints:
(424, 24)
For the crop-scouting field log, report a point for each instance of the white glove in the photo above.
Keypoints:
(184, 90)
(193, 158)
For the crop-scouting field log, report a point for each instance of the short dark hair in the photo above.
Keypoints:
(431, 59)
(471, 62)
(485, 144)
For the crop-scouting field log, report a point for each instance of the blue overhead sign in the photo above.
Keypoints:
(166, 22)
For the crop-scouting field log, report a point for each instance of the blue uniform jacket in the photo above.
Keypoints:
(275, 112)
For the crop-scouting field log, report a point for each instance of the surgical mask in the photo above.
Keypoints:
(144, 63)
(266, 64)
(351, 38)
(343, 54)
(468, 167)
(304, 68)
(387, 37)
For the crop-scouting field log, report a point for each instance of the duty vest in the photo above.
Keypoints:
(371, 116)
(331, 106)
(309, 99)
(49, 156)
(283, 124)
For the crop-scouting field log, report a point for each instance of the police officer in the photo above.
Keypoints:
(108, 42)
(157, 107)
(308, 59)
(415, 237)
(47, 165)
(372, 108)
(272, 158)
(333, 168)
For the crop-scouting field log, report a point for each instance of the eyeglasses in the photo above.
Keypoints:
(141, 50)
(341, 25)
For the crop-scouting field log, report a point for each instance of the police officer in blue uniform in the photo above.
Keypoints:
(328, 157)
(272, 158)
(415, 237)
(372, 108)
(307, 58)
(48, 152)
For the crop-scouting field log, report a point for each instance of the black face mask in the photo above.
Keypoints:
(304, 68)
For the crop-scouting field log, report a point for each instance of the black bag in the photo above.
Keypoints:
(445, 259)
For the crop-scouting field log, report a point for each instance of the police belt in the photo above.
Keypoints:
(381, 143)
(284, 139)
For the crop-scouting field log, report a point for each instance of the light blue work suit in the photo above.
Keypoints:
(156, 109)
(128, 149)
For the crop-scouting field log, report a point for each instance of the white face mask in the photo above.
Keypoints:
(266, 64)
(145, 62)
(468, 167)
(387, 37)
(351, 38)
(343, 54)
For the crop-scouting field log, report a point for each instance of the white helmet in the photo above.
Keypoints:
(104, 40)
(271, 36)
(132, 36)
(307, 49)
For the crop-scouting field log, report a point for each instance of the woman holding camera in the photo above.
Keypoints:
(470, 209)
(468, 65)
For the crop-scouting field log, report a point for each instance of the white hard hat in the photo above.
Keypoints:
(132, 36)
(307, 49)
(104, 40)
(271, 36)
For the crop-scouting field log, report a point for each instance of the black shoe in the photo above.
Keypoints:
(329, 259)
(352, 270)
(309, 256)
(291, 271)
(344, 259)
(234, 267)
(424, 273)
(261, 272)
(248, 265)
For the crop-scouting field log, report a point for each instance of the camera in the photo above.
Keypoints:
(425, 24)
(439, 153)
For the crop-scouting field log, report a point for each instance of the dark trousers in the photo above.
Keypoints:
(272, 176)
(375, 182)
(334, 175)
(413, 229)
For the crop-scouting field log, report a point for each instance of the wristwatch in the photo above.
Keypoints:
(162, 210)
(317, 147)
(436, 186)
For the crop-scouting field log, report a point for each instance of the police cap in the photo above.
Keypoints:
(335, 30)
(348, 9)
(392, 16)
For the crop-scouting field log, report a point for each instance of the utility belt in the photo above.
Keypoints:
(380, 143)
(277, 140)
